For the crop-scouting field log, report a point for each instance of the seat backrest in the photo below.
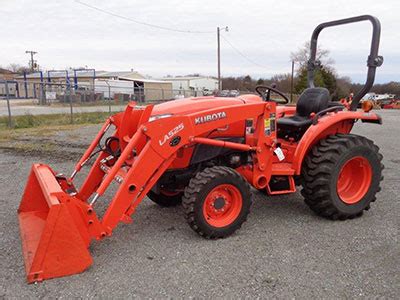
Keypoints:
(312, 100)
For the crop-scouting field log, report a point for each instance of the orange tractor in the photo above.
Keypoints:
(205, 153)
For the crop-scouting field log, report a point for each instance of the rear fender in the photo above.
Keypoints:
(331, 123)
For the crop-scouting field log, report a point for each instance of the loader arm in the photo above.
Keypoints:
(163, 140)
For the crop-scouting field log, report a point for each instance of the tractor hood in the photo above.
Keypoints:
(191, 105)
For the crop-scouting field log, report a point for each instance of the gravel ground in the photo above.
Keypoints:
(282, 251)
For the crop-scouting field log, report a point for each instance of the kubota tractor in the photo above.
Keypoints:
(206, 153)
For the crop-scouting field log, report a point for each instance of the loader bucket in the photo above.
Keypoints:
(52, 244)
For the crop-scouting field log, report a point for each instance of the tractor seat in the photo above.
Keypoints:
(312, 100)
(295, 121)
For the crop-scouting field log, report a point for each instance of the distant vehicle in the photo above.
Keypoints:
(82, 89)
(234, 93)
(228, 93)
(393, 104)
(223, 93)
(179, 97)
(207, 92)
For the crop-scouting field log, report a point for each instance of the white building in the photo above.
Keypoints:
(143, 89)
(194, 83)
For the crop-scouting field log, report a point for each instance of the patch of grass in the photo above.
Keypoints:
(41, 141)
(31, 121)
(6, 135)
(19, 134)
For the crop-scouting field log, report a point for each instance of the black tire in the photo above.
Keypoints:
(195, 195)
(165, 200)
(321, 170)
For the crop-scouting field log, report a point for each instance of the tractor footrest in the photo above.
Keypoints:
(281, 185)
(282, 169)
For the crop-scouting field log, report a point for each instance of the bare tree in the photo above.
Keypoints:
(302, 55)
(14, 67)
(344, 86)
(17, 68)
(283, 82)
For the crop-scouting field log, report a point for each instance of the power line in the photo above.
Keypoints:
(241, 53)
(139, 22)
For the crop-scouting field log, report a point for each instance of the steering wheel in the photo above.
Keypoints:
(266, 95)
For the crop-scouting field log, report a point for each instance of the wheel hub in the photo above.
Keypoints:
(219, 203)
(222, 205)
(354, 180)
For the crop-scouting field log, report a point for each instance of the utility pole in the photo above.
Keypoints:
(292, 83)
(32, 63)
(219, 54)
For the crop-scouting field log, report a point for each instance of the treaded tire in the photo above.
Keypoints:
(321, 169)
(165, 200)
(195, 195)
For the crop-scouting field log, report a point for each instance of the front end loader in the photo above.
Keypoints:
(206, 153)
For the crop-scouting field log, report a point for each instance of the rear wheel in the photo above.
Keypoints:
(216, 202)
(166, 198)
(341, 176)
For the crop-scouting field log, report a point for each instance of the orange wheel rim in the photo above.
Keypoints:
(222, 205)
(354, 180)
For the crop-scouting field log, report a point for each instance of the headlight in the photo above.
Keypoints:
(156, 117)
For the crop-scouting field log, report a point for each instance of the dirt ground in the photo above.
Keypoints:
(282, 251)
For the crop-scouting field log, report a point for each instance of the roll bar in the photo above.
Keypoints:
(374, 60)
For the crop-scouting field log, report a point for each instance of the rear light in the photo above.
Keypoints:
(367, 105)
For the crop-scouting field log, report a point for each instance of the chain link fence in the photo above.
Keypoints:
(37, 98)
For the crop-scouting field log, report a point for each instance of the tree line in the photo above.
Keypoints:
(326, 76)
(339, 87)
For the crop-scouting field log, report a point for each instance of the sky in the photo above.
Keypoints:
(261, 35)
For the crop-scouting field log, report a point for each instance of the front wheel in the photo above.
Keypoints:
(166, 198)
(216, 202)
(341, 176)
